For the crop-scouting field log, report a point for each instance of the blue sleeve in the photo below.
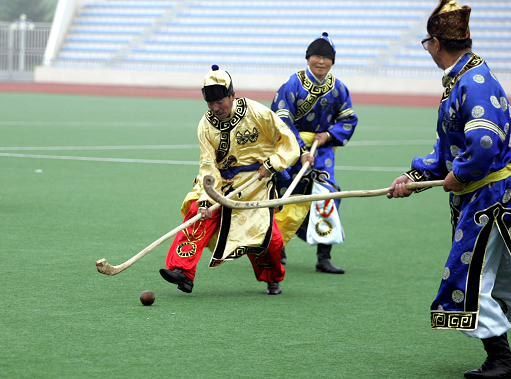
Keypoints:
(432, 165)
(345, 120)
(483, 119)
(284, 105)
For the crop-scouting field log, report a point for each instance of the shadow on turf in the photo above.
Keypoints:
(450, 371)
(247, 290)
(236, 294)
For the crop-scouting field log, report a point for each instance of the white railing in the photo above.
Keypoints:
(22, 45)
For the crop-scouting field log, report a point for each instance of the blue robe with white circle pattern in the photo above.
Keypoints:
(472, 141)
(306, 105)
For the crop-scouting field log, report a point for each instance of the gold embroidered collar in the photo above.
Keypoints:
(315, 92)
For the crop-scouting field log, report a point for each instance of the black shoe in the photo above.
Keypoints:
(326, 266)
(498, 361)
(273, 289)
(492, 369)
(177, 277)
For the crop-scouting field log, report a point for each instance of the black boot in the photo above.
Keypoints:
(324, 261)
(498, 362)
(177, 277)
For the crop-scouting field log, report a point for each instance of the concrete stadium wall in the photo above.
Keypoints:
(356, 83)
(365, 84)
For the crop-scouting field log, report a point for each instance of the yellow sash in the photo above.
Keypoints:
(291, 217)
(496, 176)
(308, 138)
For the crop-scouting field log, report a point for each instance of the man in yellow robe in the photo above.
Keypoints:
(239, 139)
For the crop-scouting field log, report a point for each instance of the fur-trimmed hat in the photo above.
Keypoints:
(217, 84)
(449, 21)
(323, 46)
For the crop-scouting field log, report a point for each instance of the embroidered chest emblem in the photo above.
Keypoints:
(247, 136)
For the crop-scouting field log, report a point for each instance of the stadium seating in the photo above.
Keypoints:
(103, 31)
(491, 33)
(264, 35)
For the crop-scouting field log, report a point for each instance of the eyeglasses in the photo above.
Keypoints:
(425, 41)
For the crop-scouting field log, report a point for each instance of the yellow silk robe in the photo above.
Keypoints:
(253, 134)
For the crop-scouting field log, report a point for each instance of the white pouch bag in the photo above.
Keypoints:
(324, 223)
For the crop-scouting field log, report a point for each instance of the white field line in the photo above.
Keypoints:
(177, 163)
(183, 147)
(195, 146)
(76, 123)
(412, 142)
(372, 168)
(96, 159)
(100, 148)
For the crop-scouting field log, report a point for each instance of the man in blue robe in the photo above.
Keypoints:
(316, 106)
(472, 154)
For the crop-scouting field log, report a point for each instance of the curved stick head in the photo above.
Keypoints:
(104, 267)
(209, 181)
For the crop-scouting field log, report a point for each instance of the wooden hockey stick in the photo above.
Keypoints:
(302, 171)
(209, 182)
(106, 268)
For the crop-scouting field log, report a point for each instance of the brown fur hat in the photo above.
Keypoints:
(449, 21)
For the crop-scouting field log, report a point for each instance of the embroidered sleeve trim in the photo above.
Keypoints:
(345, 114)
(417, 176)
(204, 204)
(267, 164)
(480, 123)
(285, 113)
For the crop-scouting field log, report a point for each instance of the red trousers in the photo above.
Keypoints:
(189, 244)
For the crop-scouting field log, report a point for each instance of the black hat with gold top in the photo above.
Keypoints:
(449, 21)
(217, 84)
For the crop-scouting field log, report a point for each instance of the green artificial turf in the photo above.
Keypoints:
(59, 318)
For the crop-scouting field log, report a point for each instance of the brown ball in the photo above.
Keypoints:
(147, 297)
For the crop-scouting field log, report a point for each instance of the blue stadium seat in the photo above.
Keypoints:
(271, 35)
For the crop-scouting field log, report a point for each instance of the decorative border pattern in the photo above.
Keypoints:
(315, 92)
(417, 176)
(223, 235)
(473, 62)
(453, 320)
(267, 164)
(225, 127)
